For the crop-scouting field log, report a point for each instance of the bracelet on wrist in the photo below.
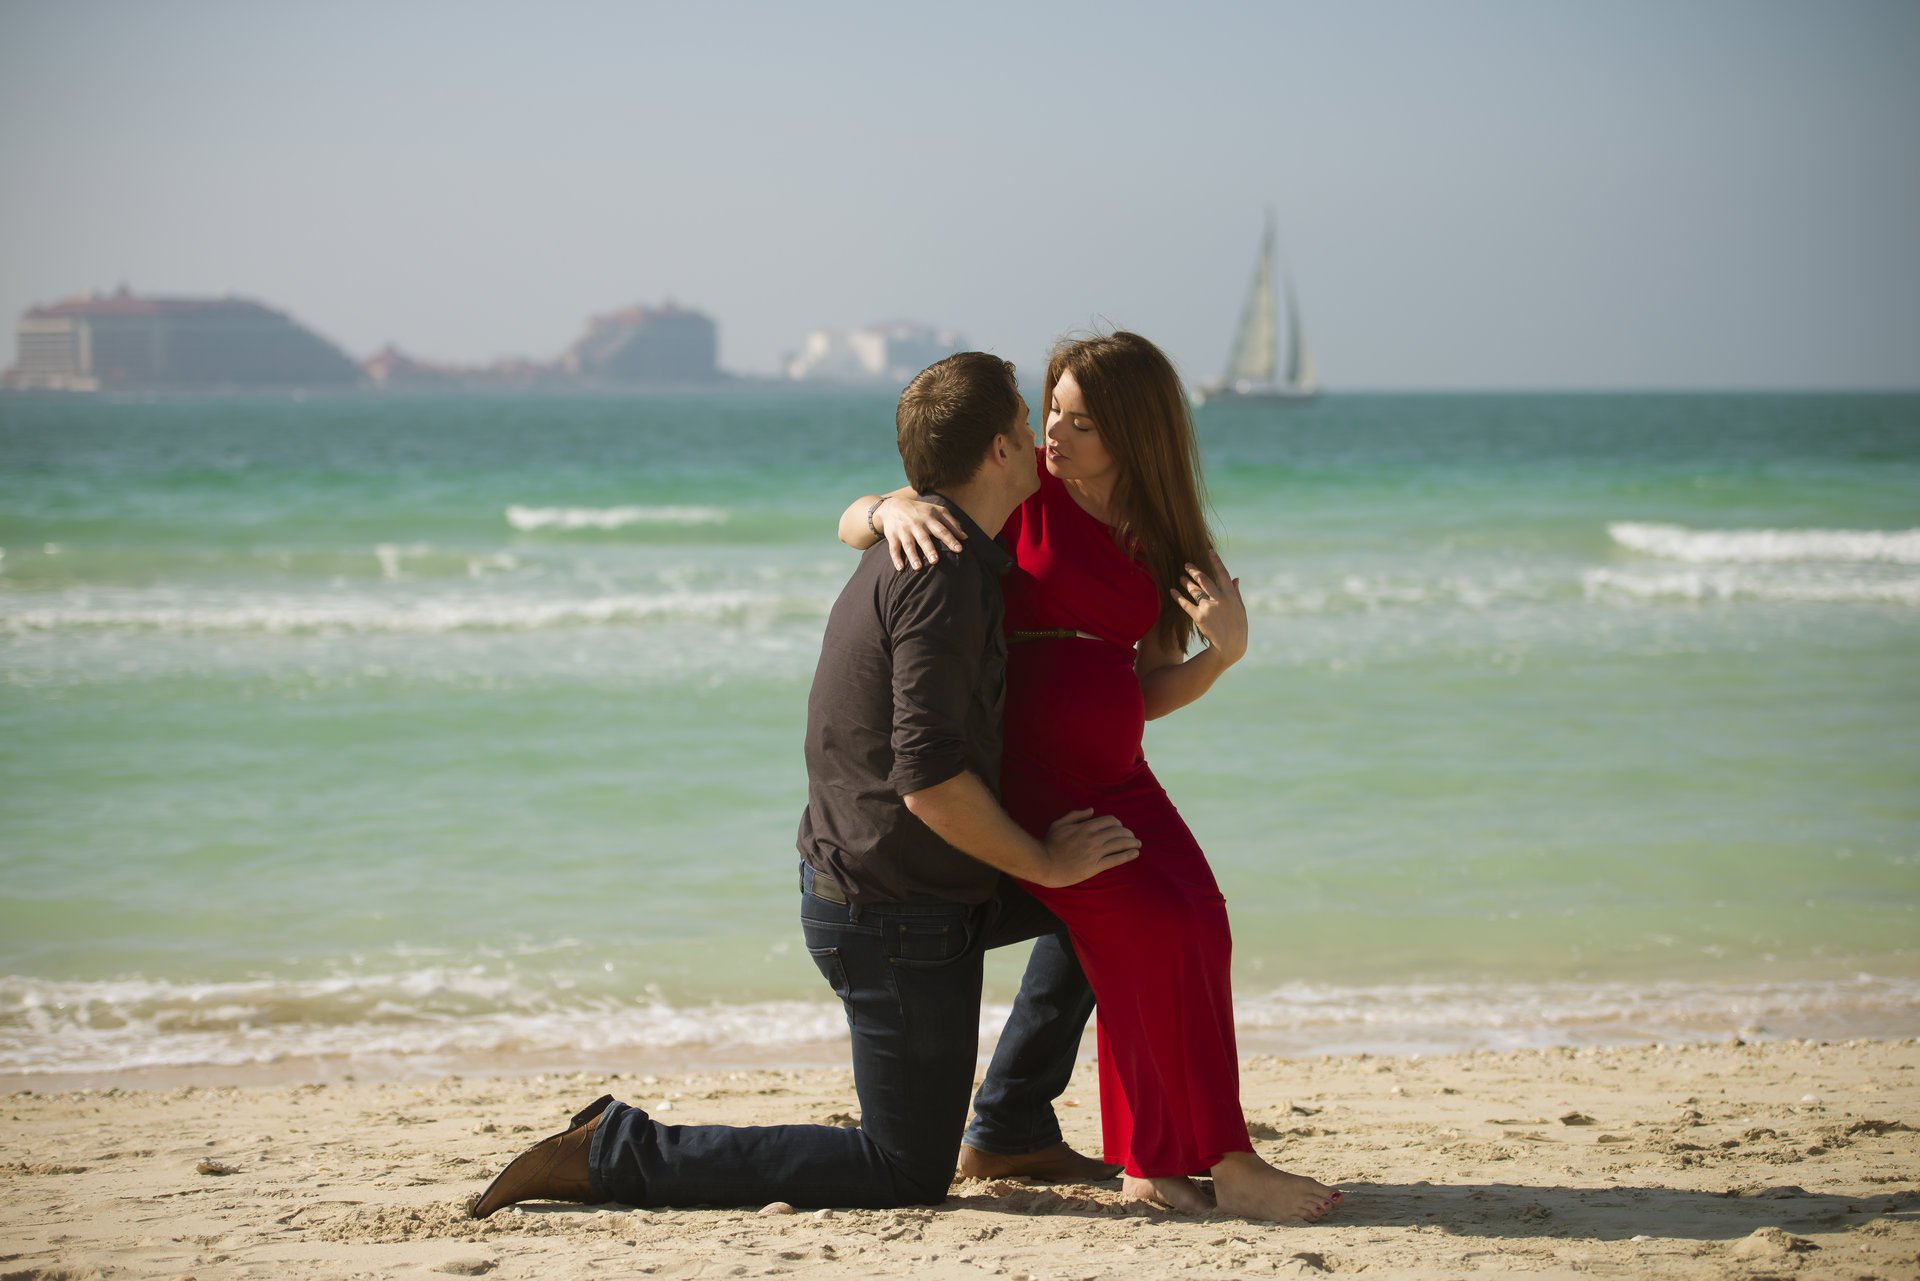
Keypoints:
(871, 509)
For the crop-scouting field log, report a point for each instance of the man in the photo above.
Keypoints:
(902, 890)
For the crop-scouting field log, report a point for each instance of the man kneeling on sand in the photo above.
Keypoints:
(901, 885)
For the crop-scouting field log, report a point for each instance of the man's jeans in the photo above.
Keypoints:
(909, 976)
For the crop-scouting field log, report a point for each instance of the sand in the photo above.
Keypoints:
(1764, 1160)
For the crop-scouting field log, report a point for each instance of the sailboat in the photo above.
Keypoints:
(1250, 371)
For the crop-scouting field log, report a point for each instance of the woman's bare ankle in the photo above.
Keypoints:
(1176, 1193)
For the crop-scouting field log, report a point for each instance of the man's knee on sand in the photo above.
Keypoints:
(926, 1185)
(920, 1168)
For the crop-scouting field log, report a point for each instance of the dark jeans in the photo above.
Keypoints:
(909, 976)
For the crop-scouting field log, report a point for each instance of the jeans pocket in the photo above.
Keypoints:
(928, 943)
(834, 970)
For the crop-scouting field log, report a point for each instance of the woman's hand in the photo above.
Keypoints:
(1213, 602)
(913, 527)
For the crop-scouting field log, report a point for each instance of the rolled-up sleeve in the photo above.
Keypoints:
(936, 623)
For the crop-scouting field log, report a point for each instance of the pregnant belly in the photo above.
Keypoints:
(1073, 712)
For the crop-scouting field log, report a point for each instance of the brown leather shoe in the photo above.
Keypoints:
(1056, 1164)
(554, 1169)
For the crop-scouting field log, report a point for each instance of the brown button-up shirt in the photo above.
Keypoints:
(907, 695)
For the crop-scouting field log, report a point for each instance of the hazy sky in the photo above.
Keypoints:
(1685, 193)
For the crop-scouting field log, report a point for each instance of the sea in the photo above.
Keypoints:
(386, 735)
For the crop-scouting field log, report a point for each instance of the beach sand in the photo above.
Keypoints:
(1775, 1159)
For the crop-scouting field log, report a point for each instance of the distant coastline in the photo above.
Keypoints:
(773, 385)
(122, 342)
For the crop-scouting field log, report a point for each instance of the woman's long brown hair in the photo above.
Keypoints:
(1134, 396)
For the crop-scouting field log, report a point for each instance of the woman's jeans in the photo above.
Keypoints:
(909, 976)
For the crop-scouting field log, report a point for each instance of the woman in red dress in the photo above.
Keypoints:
(1107, 591)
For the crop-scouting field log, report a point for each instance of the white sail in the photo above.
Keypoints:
(1300, 370)
(1254, 364)
(1254, 342)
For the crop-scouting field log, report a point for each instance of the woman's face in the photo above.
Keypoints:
(1074, 448)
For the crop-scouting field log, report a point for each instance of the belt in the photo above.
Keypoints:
(826, 887)
(1058, 633)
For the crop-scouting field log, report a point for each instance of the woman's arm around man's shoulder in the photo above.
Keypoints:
(911, 525)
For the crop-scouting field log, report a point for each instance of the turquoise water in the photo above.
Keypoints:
(444, 728)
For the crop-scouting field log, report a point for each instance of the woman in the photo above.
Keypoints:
(1106, 593)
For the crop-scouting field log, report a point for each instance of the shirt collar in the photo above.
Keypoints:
(996, 557)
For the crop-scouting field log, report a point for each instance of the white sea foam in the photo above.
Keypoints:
(566, 518)
(1835, 587)
(425, 561)
(162, 612)
(449, 1012)
(1816, 566)
(1376, 593)
(494, 563)
(1767, 546)
(390, 556)
(433, 1012)
(1444, 1017)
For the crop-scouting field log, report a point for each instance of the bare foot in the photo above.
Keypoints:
(1177, 1193)
(1249, 1187)
(1056, 1164)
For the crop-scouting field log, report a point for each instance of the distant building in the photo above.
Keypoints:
(122, 342)
(891, 353)
(666, 344)
(514, 373)
(391, 369)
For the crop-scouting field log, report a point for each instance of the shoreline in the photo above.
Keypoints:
(700, 1059)
(135, 1034)
(1690, 1160)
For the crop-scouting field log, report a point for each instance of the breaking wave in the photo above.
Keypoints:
(1724, 584)
(527, 519)
(368, 614)
(440, 1013)
(1767, 546)
(1465, 1016)
(1816, 566)
(48, 1026)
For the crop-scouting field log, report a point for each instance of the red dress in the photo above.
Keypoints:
(1152, 934)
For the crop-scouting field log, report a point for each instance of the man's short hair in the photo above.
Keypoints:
(950, 413)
